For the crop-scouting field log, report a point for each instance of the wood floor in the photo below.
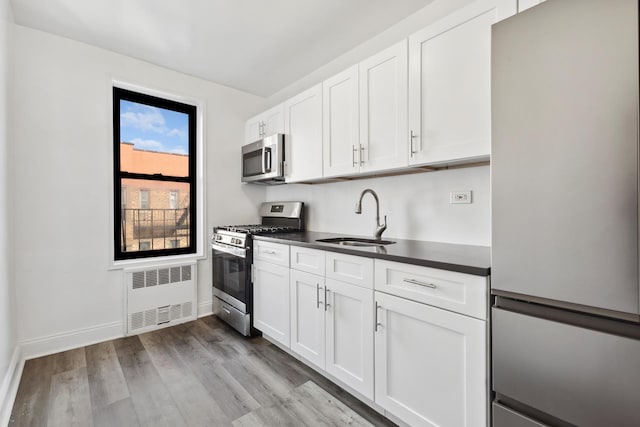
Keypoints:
(200, 373)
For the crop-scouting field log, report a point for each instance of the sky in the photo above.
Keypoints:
(154, 129)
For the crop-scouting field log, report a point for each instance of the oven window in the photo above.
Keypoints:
(229, 275)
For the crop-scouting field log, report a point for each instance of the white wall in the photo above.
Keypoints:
(417, 206)
(62, 178)
(7, 318)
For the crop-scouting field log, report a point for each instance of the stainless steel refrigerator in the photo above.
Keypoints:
(564, 178)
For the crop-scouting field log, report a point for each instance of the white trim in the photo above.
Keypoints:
(205, 308)
(201, 212)
(51, 344)
(9, 387)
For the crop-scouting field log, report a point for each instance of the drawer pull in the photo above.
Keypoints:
(417, 282)
(269, 252)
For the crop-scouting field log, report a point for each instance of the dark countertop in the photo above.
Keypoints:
(446, 256)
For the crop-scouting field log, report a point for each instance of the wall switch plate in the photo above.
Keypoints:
(456, 197)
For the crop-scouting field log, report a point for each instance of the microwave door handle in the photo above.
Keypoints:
(266, 160)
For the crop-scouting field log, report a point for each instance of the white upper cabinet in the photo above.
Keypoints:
(303, 135)
(449, 85)
(265, 124)
(383, 109)
(340, 141)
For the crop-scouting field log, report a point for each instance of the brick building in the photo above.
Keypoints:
(155, 214)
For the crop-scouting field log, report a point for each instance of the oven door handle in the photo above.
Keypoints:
(239, 252)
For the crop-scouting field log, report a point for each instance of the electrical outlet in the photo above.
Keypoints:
(456, 197)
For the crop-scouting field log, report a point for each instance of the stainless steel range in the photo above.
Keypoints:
(231, 247)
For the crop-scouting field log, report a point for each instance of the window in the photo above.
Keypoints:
(154, 158)
(123, 197)
(173, 199)
(144, 199)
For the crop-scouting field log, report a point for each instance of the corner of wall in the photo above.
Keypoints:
(11, 362)
(9, 385)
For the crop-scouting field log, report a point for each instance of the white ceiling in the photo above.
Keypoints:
(259, 46)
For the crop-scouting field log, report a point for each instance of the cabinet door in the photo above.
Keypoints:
(307, 316)
(264, 124)
(383, 109)
(271, 300)
(303, 140)
(340, 124)
(253, 130)
(349, 335)
(449, 86)
(273, 120)
(430, 364)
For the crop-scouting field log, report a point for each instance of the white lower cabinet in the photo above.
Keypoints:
(430, 364)
(307, 316)
(332, 327)
(271, 300)
(349, 335)
(417, 349)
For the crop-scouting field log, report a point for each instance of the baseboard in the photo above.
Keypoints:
(9, 387)
(69, 340)
(205, 309)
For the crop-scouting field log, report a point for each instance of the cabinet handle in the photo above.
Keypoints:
(361, 155)
(376, 318)
(353, 155)
(417, 282)
(411, 138)
(318, 302)
(269, 252)
(326, 299)
(226, 310)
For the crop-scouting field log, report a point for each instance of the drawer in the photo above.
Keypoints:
(309, 260)
(349, 268)
(275, 253)
(505, 417)
(579, 375)
(459, 292)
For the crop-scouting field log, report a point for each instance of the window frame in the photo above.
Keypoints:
(192, 111)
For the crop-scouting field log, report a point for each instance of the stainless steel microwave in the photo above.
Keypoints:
(263, 160)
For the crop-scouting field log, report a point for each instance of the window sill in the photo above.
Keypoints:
(155, 261)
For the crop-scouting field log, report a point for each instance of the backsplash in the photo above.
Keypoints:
(417, 206)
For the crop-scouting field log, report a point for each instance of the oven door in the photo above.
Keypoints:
(262, 161)
(230, 273)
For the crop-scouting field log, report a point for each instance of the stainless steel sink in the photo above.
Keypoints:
(355, 241)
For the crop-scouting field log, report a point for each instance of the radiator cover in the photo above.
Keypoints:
(159, 296)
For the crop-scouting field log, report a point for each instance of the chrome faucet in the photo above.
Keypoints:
(379, 229)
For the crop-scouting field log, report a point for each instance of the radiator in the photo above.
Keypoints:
(160, 296)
